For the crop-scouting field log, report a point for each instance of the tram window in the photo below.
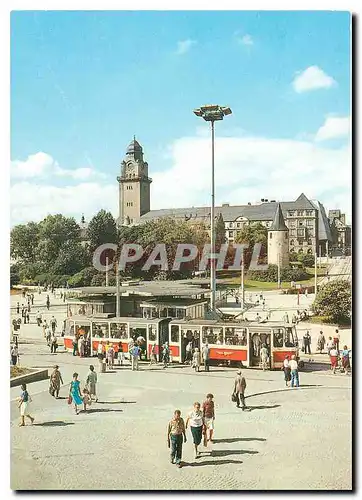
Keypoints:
(82, 330)
(151, 332)
(175, 333)
(288, 338)
(71, 330)
(180, 313)
(188, 334)
(240, 336)
(211, 335)
(278, 337)
(119, 331)
(100, 330)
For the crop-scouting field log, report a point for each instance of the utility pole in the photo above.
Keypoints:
(320, 256)
(118, 292)
(242, 284)
(107, 280)
(279, 267)
(315, 274)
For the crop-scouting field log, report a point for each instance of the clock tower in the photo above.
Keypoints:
(134, 186)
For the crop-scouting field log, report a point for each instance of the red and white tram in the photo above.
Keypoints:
(234, 342)
(115, 330)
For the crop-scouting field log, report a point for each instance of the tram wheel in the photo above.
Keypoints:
(301, 365)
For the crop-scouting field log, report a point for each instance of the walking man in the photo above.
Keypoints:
(153, 358)
(39, 318)
(306, 342)
(188, 353)
(320, 342)
(264, 356)
(53, 324)
(18, 308)
(175, 432)
(92, 382)
(239, 390)
(206, 356)
(336, 338)
(48, 302)
(135, 352)
(294, 372)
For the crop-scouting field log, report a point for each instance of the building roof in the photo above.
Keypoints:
(134, 146)
(147, 288)
(278, 222)
(324, 228)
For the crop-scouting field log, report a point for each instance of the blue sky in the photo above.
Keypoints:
(82, 83)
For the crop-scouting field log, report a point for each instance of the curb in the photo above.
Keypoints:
(29, 378)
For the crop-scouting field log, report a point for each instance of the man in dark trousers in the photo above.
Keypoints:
(239, 390)
(306, 341)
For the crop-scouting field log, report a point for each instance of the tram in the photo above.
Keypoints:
(235, 343)
(230, 342)
(115, 330)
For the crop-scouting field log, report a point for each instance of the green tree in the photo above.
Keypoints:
(101, 229)
(219, 232)
(252, 234)
(24, 240)
(14, 275)
(334, 301)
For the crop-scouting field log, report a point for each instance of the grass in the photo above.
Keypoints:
(16, 371)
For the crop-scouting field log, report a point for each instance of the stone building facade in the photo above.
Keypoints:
(308, 226)
(278, 240)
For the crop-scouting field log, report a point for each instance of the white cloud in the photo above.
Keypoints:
(32, 202)
(246, 170)
(312, 78)
(250, 168)
(184, 46)
(246, 40)
(42, 165)
(334, 127)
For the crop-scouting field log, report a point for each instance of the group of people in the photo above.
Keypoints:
(291, 372)
(201, 422)
(194, 356)
(338, 359)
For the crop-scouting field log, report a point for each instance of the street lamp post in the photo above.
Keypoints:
(212, 113)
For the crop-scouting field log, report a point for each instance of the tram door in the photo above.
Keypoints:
(256, 341)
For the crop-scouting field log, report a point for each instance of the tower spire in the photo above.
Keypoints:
(278, 222)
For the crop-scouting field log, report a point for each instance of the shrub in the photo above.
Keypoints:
(334, 301)
(306, 259)
(271, 274)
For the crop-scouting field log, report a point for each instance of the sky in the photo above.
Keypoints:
(84, 83)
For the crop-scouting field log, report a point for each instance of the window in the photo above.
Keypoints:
(238, 224)
(235, 336)
(119, 331)
(152, 333)
(286, 235)
(270, 236)
(291, 213)
(291, 243)
(278, 337)
(300, 232)
(310, 222)
(301, 223)
(211, 335)
(231, 234)
(309, 212)
(291, 223)
(309, 242)
(290, 339)
(300, 212)
(100, 330)
(293, 232)
(175, 334)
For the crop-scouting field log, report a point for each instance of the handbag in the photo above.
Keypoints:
(70, 399)
(233, 397)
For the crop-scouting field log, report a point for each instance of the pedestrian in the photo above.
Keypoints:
(48, 302)
(165, 354)
(24, 401)
(306, 342)
(346, 365)
(188, 353)
(110, 356)
(239, 390)
(27, 316)
(32, 299)
(153, 357)
(176, 434)
(263, 304)
(306, 293)
(81, 346)
(264, 357)
(87, 400)
(336, 339)
(14, 353)
(294, 319)
(120, 354)
(320, 342)
(53, 323)
(48, 335)
(196, 360)
(75, 346)
(286, 318)
(18, 308)
(135, 352)
(29, 308)
(333, 354)
(75, 395)
(208, 412)
(44, 326)
(53, 344)
(91, 382)
(286, 370)
(237, 301)
(55, 381)
(329, 345)
(100, 355)
(39, 318)
(294, 372)
(206, 356)
(196, 420)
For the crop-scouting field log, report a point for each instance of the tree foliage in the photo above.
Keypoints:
(24, 240)
(102, 229)
(334, 301)
(252, 234)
